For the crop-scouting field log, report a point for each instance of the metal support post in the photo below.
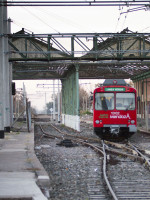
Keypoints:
(18, 109)
(10, 97)
(54, 117)
(77, 97)
(72, 46)
(1, 75)
(45, 104)
(86, 104)
(144, 47)
(10, 81)
(28, 114)
(146, 112)
(49, 46)
(143, 99)
(58, 98)
(95, 46)
(6, 74)
(83, 104)
(138, 100)
(24, 99)
(77, 90)
(26, 46)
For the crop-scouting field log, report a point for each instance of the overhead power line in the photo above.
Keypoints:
(137, 9)
(78, 3)
(39, 18)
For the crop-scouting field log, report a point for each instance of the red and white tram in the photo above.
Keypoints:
(114, 109)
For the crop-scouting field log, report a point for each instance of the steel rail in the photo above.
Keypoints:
(79, 137)
(85, 140)
(122, 146)
(105, 176)
(95, 148)
(142, 155)
(48, 135)
(102, 150)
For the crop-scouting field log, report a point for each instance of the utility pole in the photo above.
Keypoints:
(54, 117)
(24, 99)
(45, 105)
(58, 103)
(53, 110)
(10, 80)
(1, 74)
(6, 94)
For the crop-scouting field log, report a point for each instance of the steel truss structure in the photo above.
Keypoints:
(98, 55)
(78, 3)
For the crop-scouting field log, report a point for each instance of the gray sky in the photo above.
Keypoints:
(78, 19)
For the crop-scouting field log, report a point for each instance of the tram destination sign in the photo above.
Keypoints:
(114, 89)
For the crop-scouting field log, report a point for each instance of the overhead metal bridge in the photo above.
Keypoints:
(97, 55)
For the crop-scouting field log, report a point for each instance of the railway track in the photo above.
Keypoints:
(125, 184)
(109, 185)
(96, 188)
(131, 182)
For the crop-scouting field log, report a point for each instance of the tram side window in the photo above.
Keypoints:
(125, 101)
(104, 101)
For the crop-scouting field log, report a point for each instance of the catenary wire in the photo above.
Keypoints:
(37, 17)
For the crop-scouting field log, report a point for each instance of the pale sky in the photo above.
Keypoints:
(39, 96)
(78, 19)
(72, 20)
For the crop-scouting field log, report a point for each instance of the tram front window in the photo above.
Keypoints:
(125, 101)
(104, 101)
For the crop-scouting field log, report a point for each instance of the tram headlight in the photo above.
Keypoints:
(132, 121)
(97, 121)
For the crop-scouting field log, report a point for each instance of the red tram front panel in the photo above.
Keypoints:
(114, 110)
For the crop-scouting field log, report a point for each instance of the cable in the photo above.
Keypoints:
(40, 20)
(119, 18)
(63, 19)
(20, 25)
(144, 29)
(124, 20)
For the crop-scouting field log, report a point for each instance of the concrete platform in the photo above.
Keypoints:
(21, 174)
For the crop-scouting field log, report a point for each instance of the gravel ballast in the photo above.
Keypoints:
(70, 169)
(76, 172)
